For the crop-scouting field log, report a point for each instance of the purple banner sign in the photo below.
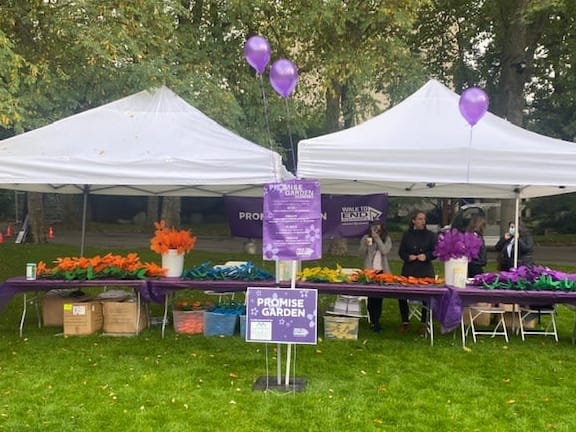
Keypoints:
(345, 216)
(281, 315)
(292, 225)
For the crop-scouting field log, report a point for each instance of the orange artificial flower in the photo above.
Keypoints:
(170, 238)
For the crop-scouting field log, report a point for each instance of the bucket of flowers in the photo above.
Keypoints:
(456, 248)
(172, 244)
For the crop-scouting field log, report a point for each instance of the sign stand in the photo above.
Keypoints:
(271, 383)
(291, 231)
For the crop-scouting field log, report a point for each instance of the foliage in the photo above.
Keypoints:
(247, 272)
(454, 243)
(110, 266)
(170, 238)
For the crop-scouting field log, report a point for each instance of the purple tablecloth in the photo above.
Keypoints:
(446, 302)
(19, 285)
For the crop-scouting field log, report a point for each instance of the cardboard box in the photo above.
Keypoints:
(512, 323)
(82, 318)
(122, 317)
(481, 321)
(53, 305)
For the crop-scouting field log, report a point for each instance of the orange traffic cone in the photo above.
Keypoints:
(9, 231)
(1, 238)
(51, 235)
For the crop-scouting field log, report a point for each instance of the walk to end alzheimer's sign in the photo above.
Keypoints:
(281, 315)
(292, 226)
(346, 216)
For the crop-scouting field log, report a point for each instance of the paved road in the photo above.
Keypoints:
(548, 255)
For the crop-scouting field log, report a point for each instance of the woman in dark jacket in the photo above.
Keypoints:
(417, 252)
(476, 226)
(505, 248)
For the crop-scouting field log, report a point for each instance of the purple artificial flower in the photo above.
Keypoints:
(457, 244)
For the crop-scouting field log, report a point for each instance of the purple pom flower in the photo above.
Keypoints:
(457, 244)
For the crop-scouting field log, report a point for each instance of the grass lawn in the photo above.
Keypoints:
(194, 383)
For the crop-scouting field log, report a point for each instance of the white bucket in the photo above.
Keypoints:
(173, 262)
(456, 272)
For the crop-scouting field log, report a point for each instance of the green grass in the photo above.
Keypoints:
(194, 383)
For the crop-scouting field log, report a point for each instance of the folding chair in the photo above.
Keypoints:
(532, 312)
(479, 310)
(350, 305)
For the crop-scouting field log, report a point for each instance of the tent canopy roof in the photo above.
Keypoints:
(424, 147)
(150, 143)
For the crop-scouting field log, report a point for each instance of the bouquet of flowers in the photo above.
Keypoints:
(457, 244)
(170, 238)
(525, 278)
(109, 266)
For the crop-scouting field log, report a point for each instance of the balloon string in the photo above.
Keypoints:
(290, 137)
(270, 142)
(469, 153)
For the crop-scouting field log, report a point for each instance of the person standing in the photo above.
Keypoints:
(476, 226)
(374, 248)
(505, 248)
(417, 252)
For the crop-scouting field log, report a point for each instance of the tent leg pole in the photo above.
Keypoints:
(84, 215)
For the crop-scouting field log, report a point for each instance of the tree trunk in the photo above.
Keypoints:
(336, 246)
(171, 211)
(72, 210)
(36, 217)
(152, 206)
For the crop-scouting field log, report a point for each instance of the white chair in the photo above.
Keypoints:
(350, 305)
(529, 313)
(476, 312)
(414, 309)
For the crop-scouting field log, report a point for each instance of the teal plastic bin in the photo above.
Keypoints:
(219, 324)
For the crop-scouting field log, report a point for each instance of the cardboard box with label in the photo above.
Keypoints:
(122, 317)
(82, 318)
(53, 305)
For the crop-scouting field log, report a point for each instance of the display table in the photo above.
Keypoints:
(157, 290)
(20, 285)
(446, 302)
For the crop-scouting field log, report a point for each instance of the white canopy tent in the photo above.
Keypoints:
(150, 143)
(423, 147)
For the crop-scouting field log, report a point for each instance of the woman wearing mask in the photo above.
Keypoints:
(505, 248)
(417, 252)
(374, 248)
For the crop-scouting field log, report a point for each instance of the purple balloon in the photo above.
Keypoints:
(473, 104)
(283, 77)
(257, 53)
